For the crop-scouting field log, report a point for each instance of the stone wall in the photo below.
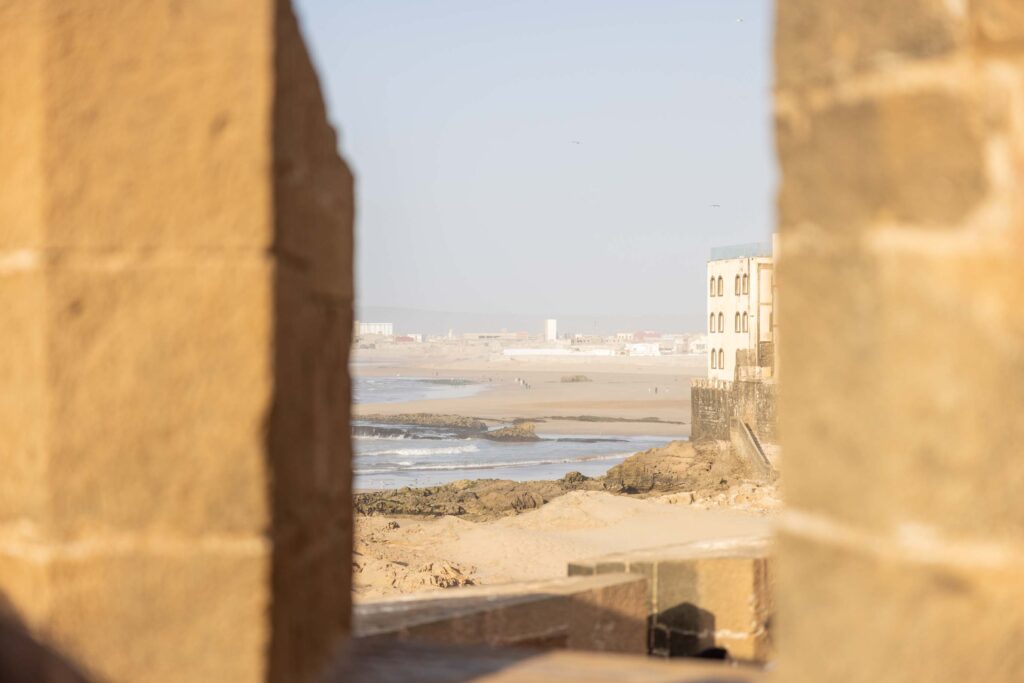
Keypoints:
(900, 134)
(714, 404)
(175, 296)
(711, 409)
(702, 596)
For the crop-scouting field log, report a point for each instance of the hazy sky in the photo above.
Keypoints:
(548, 156)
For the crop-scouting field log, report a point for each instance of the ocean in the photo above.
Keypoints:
(392, 456)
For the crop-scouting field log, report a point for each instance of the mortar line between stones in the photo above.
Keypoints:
(912, 543)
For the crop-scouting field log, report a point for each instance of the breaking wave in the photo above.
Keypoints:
(381, 468)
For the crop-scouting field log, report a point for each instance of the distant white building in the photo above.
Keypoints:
(550, 330)
(643, 349)
(740, 288)
(573, 351)
(697, 344)
(383, 329)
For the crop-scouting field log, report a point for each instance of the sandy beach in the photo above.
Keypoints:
(402, 555)
(620, 396)
(622, 391)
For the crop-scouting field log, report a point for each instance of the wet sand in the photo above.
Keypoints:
(622, 392)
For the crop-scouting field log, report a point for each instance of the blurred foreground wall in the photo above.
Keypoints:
(900, 132)
(175, 305)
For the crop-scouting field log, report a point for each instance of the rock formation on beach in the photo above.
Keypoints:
(474, 499)
(523, 431)
(679, 466)
(704, 471)
(468, 424)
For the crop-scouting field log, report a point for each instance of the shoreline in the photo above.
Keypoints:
(618, 395)
(496, 529)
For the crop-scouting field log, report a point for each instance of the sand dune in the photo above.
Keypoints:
(434, 553)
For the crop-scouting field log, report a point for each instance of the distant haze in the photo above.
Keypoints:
(414, 321)
(523, 159)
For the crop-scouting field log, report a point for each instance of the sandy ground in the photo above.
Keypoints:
(401, 555)
(621, 387)
(409, 554)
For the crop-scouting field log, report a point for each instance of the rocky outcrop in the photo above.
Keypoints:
(679, 466)
(472, 499)
(524, 431)
(468, 424)
(698, 471)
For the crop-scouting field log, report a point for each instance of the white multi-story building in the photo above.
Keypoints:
(383, 329)
(740, 287)
(550, 330)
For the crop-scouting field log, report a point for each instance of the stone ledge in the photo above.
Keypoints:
(702, 595)
(383, 662)
(597, 613)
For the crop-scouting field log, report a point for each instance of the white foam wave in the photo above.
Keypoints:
(511, 463)
(446, 450)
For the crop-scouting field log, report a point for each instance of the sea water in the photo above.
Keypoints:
(392, 456)
(401, 389)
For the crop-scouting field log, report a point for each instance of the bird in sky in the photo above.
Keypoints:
(575, 142)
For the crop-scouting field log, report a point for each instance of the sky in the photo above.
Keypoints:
(549, 157)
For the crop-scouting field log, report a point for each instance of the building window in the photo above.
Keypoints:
(714, 359)
(721, 359)
(721, 286)
(712, 286)
(711, 323)
(737, 284)
(721, 321)
(746, 284)
(737, 322)
(744, 322)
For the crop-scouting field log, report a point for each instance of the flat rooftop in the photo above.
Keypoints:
(749, 250)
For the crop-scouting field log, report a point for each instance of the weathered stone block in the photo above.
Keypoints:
(702, 596)
(599, 613)
(312, 576)
(308, 436)
(998, 20)
(313, 188)
(141, 416)
(940, 425)
(177, 118)
(818, 42)
(176, 454)
(854, 615)
(26, 595)
(169, 611)
(23, 416)
(915, 158)
(21, 109)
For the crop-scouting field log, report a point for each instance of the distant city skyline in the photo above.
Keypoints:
(548, 157)
(434, 322)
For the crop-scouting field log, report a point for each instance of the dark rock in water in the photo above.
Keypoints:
(384, 432)
(459, 422)
(518, 432)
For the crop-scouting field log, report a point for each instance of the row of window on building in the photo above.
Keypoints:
(717, 359)
(716, 286)
(717, 324)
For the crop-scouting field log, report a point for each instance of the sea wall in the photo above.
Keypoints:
(714, 403)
